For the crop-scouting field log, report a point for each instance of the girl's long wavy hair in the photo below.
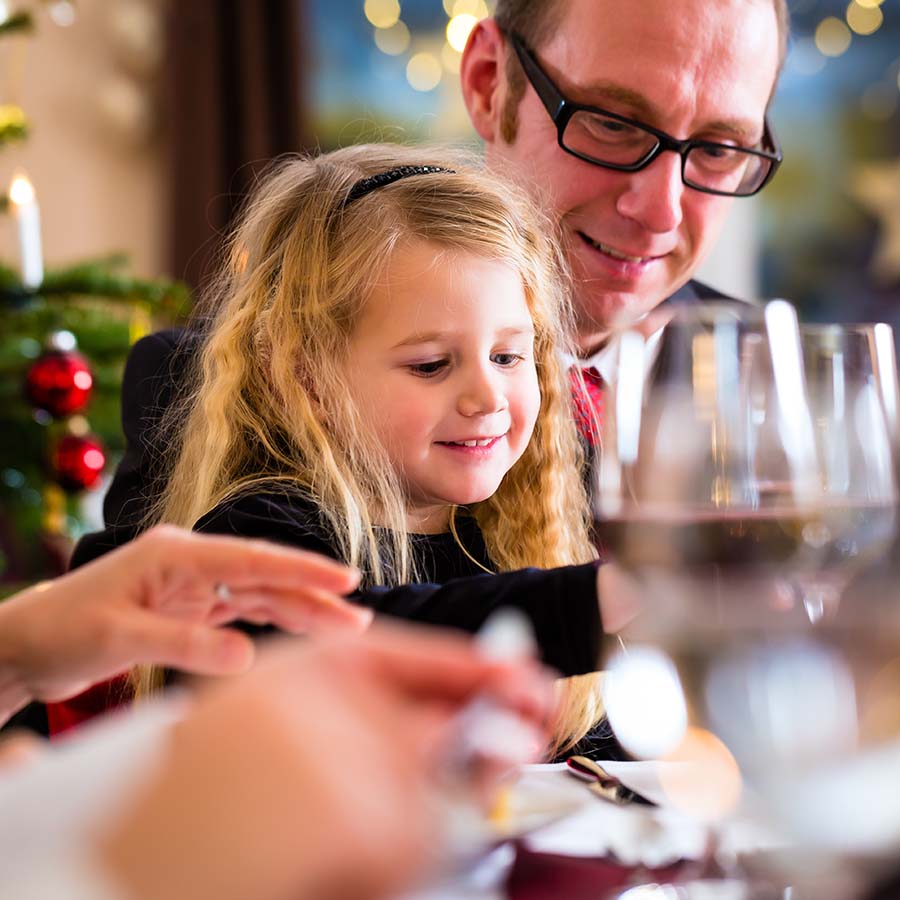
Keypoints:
(268, 405)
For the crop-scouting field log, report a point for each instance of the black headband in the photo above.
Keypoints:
(373, 182)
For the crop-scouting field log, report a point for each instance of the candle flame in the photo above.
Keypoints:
(21, 190)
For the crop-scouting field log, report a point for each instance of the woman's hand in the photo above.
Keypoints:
(161, 599)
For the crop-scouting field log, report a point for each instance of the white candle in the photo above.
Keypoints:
(28, 218)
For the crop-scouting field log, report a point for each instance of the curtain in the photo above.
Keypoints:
(234, 101)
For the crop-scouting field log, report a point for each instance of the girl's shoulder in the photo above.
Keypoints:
(272, 512)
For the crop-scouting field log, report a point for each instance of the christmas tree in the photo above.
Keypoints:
(64, 336)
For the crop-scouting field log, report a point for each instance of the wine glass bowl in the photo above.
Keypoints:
(746, 475)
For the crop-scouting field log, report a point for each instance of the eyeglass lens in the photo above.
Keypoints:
(608, 140)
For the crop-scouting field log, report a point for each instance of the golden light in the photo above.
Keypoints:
(448, 7)
(863, 19)
(423, 72)
(20, 191)
(451, 59)
(458, 30)
(870, 4)
(832, 37)
(382, 13)
(477, 8)
(79, 425)
(394, 40)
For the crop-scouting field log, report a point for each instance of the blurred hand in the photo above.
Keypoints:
(619, 596)
(156, 601)
(313, 775)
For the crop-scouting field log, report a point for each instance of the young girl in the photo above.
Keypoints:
(379, 380)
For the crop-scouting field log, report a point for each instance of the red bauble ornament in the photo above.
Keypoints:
(59, 382)
(77, 462)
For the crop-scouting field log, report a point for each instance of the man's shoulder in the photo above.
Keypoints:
(698, 292)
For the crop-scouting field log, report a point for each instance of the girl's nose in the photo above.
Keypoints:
(482, 394)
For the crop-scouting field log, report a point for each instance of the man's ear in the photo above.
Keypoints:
(483, 79)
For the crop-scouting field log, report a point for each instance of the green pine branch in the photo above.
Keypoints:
(97, 278)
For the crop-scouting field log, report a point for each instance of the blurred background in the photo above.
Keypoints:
(138, 125)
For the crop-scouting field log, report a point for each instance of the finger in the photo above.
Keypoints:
(190, 647)
(241, 562)
(431, 665)
(297, 612)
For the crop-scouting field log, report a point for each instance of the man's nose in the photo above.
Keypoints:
(653, 196)
(481, 393)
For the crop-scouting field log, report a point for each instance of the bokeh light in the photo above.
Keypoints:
(476, 8)
(382, 13)
(711, 796)
(458, 30)
(424, 72)
(394, 40)
(644, 701)
(832, 37)
(864, 19)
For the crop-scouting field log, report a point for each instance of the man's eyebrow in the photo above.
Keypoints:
(642, 109)
(433, 337)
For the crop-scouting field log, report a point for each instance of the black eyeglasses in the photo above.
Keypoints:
(616, 142)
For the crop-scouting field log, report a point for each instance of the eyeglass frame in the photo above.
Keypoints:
(561, 109)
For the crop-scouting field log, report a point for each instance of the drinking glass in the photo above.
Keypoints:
(851, 389)
(746, 472)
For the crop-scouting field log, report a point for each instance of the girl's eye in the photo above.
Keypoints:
(428, 369)
(507, 360)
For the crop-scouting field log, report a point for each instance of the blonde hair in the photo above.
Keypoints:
(269, 404)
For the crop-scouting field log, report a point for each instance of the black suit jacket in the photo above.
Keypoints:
(156, 368)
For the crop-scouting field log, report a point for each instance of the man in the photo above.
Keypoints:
(657, 75)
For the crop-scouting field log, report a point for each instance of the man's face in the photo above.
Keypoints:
(691, 68)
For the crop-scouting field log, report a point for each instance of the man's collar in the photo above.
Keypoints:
(604, 360)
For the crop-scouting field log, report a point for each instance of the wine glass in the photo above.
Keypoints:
(851, 381)
(740, 483)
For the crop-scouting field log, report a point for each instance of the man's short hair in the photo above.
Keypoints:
(534, 22)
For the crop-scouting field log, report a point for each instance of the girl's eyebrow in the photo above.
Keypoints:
(433, 337)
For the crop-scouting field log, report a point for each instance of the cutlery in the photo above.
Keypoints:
(602, 783)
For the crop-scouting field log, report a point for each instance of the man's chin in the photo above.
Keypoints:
(599, 316)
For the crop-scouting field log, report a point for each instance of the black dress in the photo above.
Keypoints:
(458, 593)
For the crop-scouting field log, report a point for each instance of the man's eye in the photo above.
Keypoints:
(611, 129)
(427, 369)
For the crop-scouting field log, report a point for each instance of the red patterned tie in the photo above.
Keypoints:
(587, 396)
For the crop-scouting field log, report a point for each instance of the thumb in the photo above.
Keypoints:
(191, 647)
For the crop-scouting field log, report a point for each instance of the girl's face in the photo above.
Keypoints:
(441, 366)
